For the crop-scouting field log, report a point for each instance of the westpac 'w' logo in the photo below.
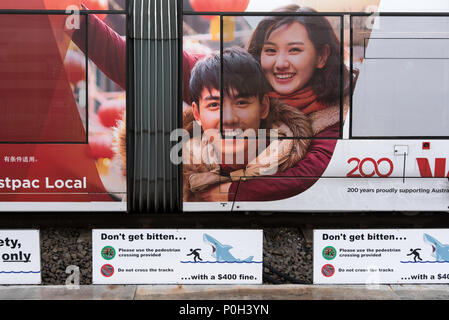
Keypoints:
(426, 171)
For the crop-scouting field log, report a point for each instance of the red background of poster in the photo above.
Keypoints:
(39, 78)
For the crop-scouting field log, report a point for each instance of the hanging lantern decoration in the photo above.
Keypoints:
(220, 6)
(97, 5)
(102, 151)
(75, 66)
(111, 111)
(228, 28)
(101, 147)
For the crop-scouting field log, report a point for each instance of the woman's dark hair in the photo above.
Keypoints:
(325, 81)
(241, 72)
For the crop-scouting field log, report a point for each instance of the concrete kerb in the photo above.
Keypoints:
(226, 292)
(82, 292)
(264, 292)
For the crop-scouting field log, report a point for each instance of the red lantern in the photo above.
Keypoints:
(75, 66)
(97, 5)
(111, 111)
(219, 5)
(101, 147)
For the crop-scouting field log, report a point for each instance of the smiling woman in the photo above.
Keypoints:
(289, 58)
(299, 53)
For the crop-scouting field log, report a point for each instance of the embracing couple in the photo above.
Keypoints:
(289, 80)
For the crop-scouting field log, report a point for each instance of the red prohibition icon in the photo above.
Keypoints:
(328, 270)
(107, 270)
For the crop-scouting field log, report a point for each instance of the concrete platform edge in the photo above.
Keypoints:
(226, 292)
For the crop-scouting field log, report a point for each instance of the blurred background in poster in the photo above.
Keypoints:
(107, 104)
(106, 100)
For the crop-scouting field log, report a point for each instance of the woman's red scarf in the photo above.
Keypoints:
(304, 99)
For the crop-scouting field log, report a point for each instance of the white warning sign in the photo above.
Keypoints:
(20, 257)
(381, 256)
(155, 256)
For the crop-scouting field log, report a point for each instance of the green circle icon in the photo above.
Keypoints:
(329, 253)
(108, 253)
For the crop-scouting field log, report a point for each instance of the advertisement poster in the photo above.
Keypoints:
(20, 261)
(60, 138)
(288, 135)
(381, 256)
(164, 256)
(344, 110)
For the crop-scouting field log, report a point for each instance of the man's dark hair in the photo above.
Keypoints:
(241, 72)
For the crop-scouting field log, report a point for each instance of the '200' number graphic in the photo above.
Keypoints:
(360, 168)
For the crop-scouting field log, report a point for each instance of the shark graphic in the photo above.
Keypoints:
(221, 252)
(439, 251)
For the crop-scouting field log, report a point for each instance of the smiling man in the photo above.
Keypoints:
(249, 119)
(244, 108)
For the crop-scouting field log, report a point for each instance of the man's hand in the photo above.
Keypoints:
(216, 193)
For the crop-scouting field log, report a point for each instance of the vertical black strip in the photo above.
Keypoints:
(139, 115)
(152, 102)
(157, 85)
(129, 109)
(87, 78)
(138, 101)
(150, 12)
(170, 112)
(145, 126)
(179, 186)
(235, 196)
(165, 105)
(364, 48)
(152, 56)
(135, 99)
(221, 80)
(136, 126)
(342, 74)
(403, 171)
(148, 70)
(351, 71)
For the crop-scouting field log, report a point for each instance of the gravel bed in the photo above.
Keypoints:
(287, 256)
(61, 248)
(286, 252)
